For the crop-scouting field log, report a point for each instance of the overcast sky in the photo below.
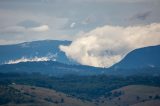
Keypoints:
(28, 20)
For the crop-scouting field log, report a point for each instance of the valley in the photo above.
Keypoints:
(25, 95)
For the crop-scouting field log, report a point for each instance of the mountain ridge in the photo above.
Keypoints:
(140, 58)
(147, 57)
(44, 48)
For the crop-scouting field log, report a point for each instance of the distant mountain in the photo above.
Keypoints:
(142, 61)
(140, 58)
(36, 49)
(52, 68)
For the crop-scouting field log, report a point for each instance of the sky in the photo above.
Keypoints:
(101, 29)
(29, 20)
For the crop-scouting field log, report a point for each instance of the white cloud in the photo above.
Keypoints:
(42, 28)
(72, 25)
(105, 46)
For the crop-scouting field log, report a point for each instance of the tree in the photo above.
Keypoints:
(157, 97)
(62, 100)
(138, 98)
(150, 97)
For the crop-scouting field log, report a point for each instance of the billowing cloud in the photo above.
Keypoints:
(105, 46)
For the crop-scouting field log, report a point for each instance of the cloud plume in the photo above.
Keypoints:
(33, 59)
(107, 45)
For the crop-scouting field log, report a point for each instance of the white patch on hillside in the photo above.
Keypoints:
(49, 57)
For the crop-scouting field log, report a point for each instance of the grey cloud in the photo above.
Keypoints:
(141, 16)
(21, 29)
(87, 20)
(29, 23)
(12, 29)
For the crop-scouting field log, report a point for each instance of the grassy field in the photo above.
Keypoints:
(132, 95)
(50, 97)
(29, 95)
(25, 95)
(148, 103)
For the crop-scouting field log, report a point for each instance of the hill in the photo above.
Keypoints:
(140, 61)
(36, 49)
(132, 95)
(148, 103)
(82, 87)
(51, 68)
(144, 61)
(140, 58)
(24, 95)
